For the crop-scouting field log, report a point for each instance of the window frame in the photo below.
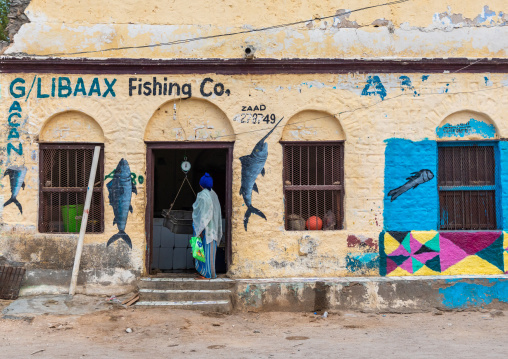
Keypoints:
(494, 187)
(341, 187)
(42, 190)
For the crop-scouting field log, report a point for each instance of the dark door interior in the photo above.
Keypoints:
(171, 252)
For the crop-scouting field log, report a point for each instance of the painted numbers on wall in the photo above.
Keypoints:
(250, 114)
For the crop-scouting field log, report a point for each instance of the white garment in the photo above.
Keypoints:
(206, 215)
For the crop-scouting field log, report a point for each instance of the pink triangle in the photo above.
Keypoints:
(390, 265)
(401, 251)
(450, 254)
(414, 244)
(424, 257)
(407, 265)
(471, 242)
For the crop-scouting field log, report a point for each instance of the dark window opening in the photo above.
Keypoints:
(466, 180)
(64, 173)
(313, 185)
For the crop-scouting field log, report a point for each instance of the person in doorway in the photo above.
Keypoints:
(207, 223)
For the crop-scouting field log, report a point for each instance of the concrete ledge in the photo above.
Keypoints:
(372, 294)
(106, 281)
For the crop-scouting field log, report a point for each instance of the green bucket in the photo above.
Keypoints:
(69, 214)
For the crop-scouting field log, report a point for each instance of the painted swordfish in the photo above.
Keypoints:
(17, 180)
(252, 166)
(120, 192)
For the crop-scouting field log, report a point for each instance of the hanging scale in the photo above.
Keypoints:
(186, 166)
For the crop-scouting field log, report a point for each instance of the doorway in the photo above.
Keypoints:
(170, 252)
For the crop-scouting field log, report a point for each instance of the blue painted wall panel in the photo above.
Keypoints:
(502, 184)
(417, 208)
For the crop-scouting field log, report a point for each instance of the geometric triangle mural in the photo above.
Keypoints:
(445, 253)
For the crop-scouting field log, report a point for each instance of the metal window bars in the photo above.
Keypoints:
(313, 184)
(64, 171)
(466, 180)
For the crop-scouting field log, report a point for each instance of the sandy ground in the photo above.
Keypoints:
(166, 333)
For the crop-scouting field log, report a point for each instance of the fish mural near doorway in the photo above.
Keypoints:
(252, 166)
(120, 192)
(413, 181)
(17, 180)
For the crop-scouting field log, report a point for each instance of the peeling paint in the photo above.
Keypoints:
(362, 263)
(462, 295)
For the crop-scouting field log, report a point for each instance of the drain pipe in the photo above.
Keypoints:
(84, 220)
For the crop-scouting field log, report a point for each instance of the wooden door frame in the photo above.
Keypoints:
(150, 168)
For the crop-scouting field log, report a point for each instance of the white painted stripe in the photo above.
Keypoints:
(148, 279)
(183, 303)
(183, 291)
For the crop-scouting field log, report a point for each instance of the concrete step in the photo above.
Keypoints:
(185, 283)
(176, 295)
(212, 295)
(219, 306)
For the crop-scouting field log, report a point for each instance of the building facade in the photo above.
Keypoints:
(362, 141)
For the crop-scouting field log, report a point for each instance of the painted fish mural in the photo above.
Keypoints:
(17, 179)
(413, 181)
(120, 192)
(252, 166)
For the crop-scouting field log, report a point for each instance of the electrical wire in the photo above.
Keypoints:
(183, 41)
(363, 108)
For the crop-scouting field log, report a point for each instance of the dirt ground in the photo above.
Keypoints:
(167, 333)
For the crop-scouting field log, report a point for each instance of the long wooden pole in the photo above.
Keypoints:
(84, 220)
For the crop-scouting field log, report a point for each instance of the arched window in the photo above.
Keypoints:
(467, 172)
(313, 145)
(67, 142)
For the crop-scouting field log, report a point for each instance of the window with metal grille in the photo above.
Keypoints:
(466, 180)
(64, 172)
(313, 185)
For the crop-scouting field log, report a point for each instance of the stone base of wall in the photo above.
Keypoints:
(373, 294)
(90, 282)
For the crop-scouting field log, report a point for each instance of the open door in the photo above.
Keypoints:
(170, 252)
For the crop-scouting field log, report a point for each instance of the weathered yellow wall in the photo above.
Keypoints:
(418, 29)
(266, 249)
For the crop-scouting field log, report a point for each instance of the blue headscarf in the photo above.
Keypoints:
(206, 181)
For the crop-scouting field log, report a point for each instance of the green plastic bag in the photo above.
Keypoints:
(198, 251)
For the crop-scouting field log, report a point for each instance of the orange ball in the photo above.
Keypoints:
(314, 223)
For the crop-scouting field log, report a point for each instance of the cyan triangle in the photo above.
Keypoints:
(416, 264)
(398, 259)
(433, 243)
(494, 253)
(434, 264)
(406, 243)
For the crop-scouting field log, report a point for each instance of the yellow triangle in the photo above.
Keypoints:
(505, 240)
(391, 244)
(472, 265)
(505, 255)
(426, 271)
(398, 272)
(423, 236)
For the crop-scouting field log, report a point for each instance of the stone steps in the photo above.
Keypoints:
(213, 295)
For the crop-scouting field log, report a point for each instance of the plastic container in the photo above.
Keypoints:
(69, 213)
(179, 222)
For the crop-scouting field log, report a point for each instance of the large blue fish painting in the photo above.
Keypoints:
(120, 192)
(252, 166)
(17, 179)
